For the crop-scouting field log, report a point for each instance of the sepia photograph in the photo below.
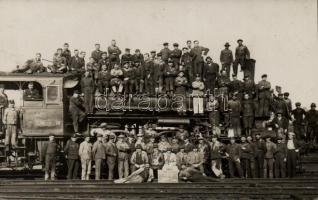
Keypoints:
(158, 99)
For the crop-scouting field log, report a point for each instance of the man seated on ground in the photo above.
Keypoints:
(194, 175)
(195, 159)
(143, 174)
(139, 158)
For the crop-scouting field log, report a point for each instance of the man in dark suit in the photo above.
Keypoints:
(198, 60)
(31, 93)
(165, 52)
(292, 152)
(76, 109)
(175, 54)
(241, 55)
(77, 64)
(97, 53)
(226, 59)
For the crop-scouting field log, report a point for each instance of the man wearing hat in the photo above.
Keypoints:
(195, 159)
(111, 156)
(3, 104)
(76, 109)
(260, 149)
(248, 86)
(264, 97)
(181, 157)
(138, 56)
(186, 61)
(245, 157)
(129, 78)
(216, 152)
(170, 74)
(241, 55)
(31, 93)
(181, 83)
(104, 61)
(66, 53)
(235, 86)
(163, 145)
(99, 154)
(127, 57)
(156, 160)
(165, 52)
(288, 101)
(85, 153)
(233, 153)
(210, 74)
(279, 105)
(10, 122)
(114, 53)
(269, 157)
(153, 54)
(298, 117)
(293, 147)
(197, 93)
(280, 158)
(139, 158)
(97, 53)
(123, 157)
(198, 61)
(149, 74)
(49, 157)
(226, 59)
(312, 123)
(77, 64)
(175, 54)
(248, 110)
(158, 70)
(71, 151)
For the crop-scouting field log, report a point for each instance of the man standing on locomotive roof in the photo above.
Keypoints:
(210, 74)
(66, 53)
(97, 53)
(241, 55)
(76, 110)
(175, 54)
(10, 121)
(198, 60)
(3, 104)
(113, 53)
(71, 151)
(226, 59)
(77, 64)
(165, 52)
(49, 157)
(298, 116)
(264, 97)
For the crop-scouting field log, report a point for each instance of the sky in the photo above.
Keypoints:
(280, 34)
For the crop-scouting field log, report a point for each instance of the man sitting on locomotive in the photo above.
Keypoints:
(31, 93)
(129, 75)
(32, 66)
(59, 63)
(170, 73)
(103, 80)
(197, 93)
(116, 81)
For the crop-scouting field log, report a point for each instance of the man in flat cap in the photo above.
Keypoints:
(269, 157)
(288, 101)
(165, 52)
(198, 51)
(114, 53)
(280, 158)
(233, 153)
(279, 105)
(10, 121)
(3, 105)
(66, 53)
(176, 54)
(99, 154)
(111, 156)
(210, 74)
(293, 148)
(241, 55)
(97, 53)
(127, 57)
(138, 56)
(77, 64)
(298, 117)
(264, 97)
(71, 151)
(226, 58)
(312, 123)
(139, 158)
(170, 74)
(49, 151)
(260, 149)
(186, 61)
(123, 156)
(153, 54)
(77, 110)
(149, 74)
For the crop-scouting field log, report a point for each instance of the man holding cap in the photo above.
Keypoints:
(226, 59)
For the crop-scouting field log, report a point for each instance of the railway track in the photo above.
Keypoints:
(298, 188)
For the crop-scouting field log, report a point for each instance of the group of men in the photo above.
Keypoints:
(123, 154)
